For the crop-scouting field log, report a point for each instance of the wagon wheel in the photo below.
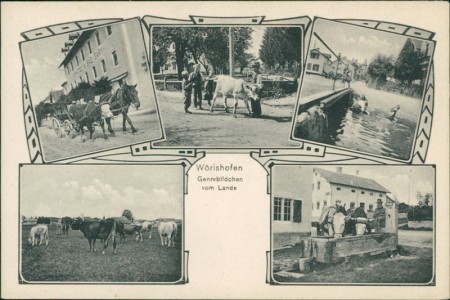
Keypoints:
(57, 127)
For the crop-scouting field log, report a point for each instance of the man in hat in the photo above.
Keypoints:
(256, 79)
(380, 216)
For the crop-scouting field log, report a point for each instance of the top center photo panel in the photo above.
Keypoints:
(227, 86)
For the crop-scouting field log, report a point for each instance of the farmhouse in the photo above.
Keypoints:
(351, 190)
(115, 51)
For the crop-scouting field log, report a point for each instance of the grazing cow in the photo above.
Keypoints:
(167, 232)
(229, 86)
(66, 222)
(129, 229)
(97, 229)
(146, 227)
(38, 233)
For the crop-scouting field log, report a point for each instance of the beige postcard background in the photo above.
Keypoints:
(227, 233)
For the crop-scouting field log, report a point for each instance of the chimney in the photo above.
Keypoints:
(339, 169)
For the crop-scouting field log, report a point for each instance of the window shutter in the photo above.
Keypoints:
(297, 211)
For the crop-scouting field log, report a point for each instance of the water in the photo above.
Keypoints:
(373, 133)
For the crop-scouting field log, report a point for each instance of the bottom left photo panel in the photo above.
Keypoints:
(101, 224)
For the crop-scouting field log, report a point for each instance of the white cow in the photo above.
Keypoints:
(229, 86)
(38, 233)
(167, 232)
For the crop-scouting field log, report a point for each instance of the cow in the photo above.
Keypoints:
(129, 229)
(146, 227)
(229, 86)
(38, 233)
(97, 229)
(167, 232)
(66, 222)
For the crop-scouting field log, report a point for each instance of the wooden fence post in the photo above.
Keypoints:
(165, 83)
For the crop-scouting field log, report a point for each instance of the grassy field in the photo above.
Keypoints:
(413, 265)
(67, 258)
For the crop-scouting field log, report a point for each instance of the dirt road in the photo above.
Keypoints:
(55, 148)
(415, 238)
(219, 129)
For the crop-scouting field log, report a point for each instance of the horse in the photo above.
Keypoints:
(87, 115)
(120, 102)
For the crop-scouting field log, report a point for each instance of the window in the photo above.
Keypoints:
(353, 191)
(338, 188)
(314, 55)
(81, 79)
(313, 186)
(370, 207)
(352, 204)
(362, 205)
(317, 205)
(381, 195)
(325, 203)
(277, 209)
(371, 194)
(297, 211)
(89, 47)
(95, 72)
(76, 58)
(362, 192)
(287, 210)
(318, 185)
(71, 64)
(68, 71)
(87, 77)
(82, 54)
(166, 67)
(315, 67)
(97, 37)
(103, 66)
(109, 30)
(308, 67)
(115, 59)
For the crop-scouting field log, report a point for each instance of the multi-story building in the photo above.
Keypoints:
(115, 51)
(351, 190)
(318, 62)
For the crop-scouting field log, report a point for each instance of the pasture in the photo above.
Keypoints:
(66, 259)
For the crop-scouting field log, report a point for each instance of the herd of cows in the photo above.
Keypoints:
(106, 230)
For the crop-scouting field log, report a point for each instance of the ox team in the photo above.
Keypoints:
(226, 86)
(106, 230)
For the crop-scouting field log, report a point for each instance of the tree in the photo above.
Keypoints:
(428, 198)
(408, 66)
(102, 86)
(127, 214)
(380, 68)
(281, 46)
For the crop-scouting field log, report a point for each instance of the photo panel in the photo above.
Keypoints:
(226, 86)
(367, 88)
(102, 224)
(87, 90)
(352, 224)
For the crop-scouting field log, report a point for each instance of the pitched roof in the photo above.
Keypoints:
(77, 45)
(351, 180)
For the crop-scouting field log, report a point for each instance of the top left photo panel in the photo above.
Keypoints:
(91, 90)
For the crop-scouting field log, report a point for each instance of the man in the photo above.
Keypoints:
(256, 79)
(196, 79)
(187, 90)
(380, 216)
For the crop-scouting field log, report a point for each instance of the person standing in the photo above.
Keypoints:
(186, 87)
(196, 79)
(256, 79)
(380, 216)
(209, 87)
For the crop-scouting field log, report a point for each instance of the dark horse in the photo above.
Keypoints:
(119, 102)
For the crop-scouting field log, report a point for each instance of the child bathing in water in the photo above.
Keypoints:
(393, 112)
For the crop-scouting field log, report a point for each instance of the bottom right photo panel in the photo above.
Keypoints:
(353, 224)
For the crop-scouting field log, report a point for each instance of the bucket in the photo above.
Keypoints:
(304, 265)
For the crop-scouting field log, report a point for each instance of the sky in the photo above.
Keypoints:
(257, 36)
(41, 60)
(356, 42)
(400, 180)
(149, 191)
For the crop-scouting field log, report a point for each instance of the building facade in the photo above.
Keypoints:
(352, 190)
(318, 62)
(115, 51)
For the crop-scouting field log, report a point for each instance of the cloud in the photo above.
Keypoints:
(160, 192)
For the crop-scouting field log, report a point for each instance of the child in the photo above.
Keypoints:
(186, 87)
(393, 112)
(209, 87)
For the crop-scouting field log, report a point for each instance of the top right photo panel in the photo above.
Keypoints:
(363, 88)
